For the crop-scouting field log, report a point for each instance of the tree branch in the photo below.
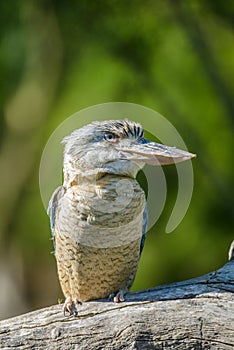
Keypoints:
(193, 314)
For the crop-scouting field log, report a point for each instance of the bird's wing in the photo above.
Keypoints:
(144, 228)
(53, 206)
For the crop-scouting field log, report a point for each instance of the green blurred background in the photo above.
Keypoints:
(57, 57)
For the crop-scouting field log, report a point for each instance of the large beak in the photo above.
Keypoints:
(154, 153)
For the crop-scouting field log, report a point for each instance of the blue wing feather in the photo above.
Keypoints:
(53, 206)
(144, 228)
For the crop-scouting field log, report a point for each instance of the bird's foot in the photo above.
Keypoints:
(119, 297)
(71, 306)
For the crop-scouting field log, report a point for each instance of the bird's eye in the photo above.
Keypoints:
(110, 137)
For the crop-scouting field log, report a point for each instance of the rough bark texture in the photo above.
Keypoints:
(193, 314)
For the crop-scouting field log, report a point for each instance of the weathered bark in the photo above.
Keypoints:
(193, 314)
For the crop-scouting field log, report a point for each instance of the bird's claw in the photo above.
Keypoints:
(70, 307)
(119, 297)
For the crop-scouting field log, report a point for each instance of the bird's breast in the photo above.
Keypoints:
(98, 234)
(105, 213)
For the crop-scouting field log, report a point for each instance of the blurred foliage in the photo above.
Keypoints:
(57, 57)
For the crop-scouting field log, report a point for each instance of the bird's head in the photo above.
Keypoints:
(114, 147)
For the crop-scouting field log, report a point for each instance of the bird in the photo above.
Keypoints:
(98, 216)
